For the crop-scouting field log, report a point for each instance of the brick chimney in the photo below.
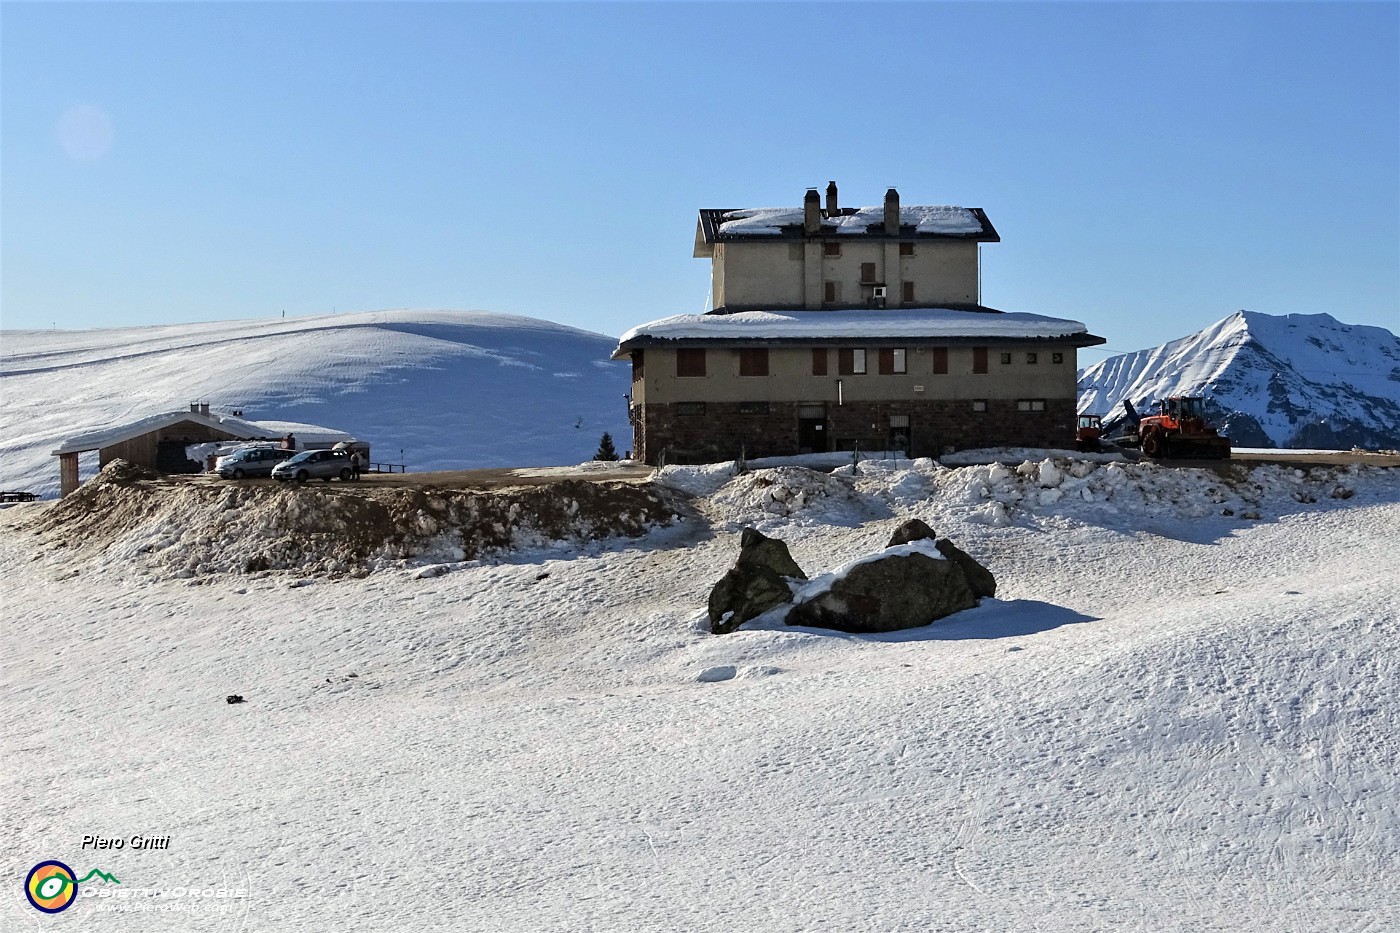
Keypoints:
(812, 212)
(891, 212)
(831, 208)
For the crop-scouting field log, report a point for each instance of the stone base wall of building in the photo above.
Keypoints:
(689, 432)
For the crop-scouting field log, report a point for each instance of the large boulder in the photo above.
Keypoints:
(979, 578)
(757, 550)
(918, 579)
(912, 530)
(905, 587)
(756, 583)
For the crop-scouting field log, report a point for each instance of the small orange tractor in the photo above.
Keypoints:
(1178, 429)
(1086, 436)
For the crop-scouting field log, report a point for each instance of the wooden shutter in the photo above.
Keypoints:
(819, 361)
(753, 362)
(940, 361)
(908, 293)
(867, 272)
(979, 359)
(886, 362)
(690, 362)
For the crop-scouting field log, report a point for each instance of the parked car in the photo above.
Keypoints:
(314, 464)
(252, 461)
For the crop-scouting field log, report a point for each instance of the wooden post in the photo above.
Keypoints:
(67, 473)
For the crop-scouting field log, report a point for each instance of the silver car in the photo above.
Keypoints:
(252, 461)
(314, 464)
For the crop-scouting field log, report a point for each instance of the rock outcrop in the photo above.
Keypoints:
(756, 583)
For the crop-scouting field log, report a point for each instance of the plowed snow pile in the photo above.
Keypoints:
(123, 517)
(1102, 489)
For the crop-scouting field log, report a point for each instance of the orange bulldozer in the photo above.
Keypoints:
(1178, 430)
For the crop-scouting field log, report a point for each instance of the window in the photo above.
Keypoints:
(979, 405)
(1057, 357)
(1030, 404)
(979, 361)
(906, 249)
(1032, 359)
(940, 361)
(819, 361)
(1006, 359)
(850, 362)
(893, 361)
(753, 408)
(637, 366)
(831, 292)
(907, 292)
(690, 409)
(867, 272)
(690, 362)
(831, 249)
(753, 362)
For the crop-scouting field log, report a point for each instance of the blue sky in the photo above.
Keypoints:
(1151, 168)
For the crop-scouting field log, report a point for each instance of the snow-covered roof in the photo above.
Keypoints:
(874, 324)
(928, 219)
(242, 429)
(938, 221)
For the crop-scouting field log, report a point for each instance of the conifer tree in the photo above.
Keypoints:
(606, 450)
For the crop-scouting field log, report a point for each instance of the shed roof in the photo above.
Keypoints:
(239, 428)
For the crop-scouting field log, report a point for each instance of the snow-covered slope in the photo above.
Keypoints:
(1201, 738)
(1298, 380)
(451, 389)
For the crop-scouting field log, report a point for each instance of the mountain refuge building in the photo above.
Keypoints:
(835, 328)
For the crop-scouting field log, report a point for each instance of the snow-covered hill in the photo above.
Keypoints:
(1299, 380)
(451, 389)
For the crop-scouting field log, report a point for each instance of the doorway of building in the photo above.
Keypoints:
(811, 429)
(899, 434)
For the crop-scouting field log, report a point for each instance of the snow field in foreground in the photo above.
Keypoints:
(1166, 720)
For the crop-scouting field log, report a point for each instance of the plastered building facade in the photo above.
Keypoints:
(841, 328)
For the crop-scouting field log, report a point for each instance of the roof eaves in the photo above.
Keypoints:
(644, 342)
